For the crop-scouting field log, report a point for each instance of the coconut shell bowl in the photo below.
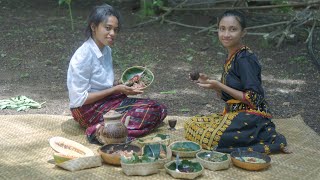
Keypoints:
(111, 153)
(250, 160)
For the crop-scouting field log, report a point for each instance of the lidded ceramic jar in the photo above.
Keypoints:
(114, 130)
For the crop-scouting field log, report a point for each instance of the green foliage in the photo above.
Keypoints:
(151, 7)
(265, 43)
(137, 159)
(186, 166)
(68, 2)
(282, 9)
(298, 60)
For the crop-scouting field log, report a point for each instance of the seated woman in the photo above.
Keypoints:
(246, 121)
(90, 82)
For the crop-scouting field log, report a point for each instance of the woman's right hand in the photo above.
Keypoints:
(129, 90)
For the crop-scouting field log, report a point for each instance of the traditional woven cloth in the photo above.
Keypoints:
(26, 154)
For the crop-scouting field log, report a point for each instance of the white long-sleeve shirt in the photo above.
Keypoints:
(90, 70)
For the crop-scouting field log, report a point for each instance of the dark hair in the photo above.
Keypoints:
(237, 14)
(100, 14)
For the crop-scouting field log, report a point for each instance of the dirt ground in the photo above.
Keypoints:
(37, 43)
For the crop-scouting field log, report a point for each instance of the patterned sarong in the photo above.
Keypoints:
(145, 114)
(242, 130)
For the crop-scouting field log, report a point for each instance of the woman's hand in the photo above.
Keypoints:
(129, 90)
(209, 84)
(203, 79)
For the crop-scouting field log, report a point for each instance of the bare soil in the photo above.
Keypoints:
(37, 43)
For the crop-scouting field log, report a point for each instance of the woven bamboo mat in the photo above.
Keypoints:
(25, 152)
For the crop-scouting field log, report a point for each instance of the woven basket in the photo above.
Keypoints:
(182, 175)
(81, 163)
(165, 141)
(134, 70)
(187, 154)
(140, 169)
(214, 166)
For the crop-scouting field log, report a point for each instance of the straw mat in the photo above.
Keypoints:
(26, 154)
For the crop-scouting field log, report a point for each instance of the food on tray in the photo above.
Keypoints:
(120, 152)
(69, 148)
(252, 159)
(139, 81)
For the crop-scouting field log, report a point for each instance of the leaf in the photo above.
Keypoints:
(190, 58)
(185, 110)
(168, 92)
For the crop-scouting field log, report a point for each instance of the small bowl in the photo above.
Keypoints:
(253, 166)
(187, 169)
(154, 139)
(110, 156)
(135, 70)
(139, 165)
(159, 151)
(185, 148)
(214, 160)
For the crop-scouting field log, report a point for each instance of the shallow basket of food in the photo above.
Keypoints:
(159, 151)
(154, 139)
(137, 76)
(186, 169)
(73, 156)
(213, 160)
(187, 149)
(111, 153)
(250, 160)
(139, 165)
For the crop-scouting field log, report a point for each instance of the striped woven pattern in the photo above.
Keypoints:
(26, 154)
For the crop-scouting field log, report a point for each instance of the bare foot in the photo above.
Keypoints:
(286, 150)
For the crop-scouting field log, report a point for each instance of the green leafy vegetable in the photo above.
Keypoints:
(20, 103)
(137, 159)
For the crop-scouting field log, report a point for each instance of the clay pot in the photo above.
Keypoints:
(114, 131)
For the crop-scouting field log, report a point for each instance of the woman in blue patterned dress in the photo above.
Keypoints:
(246, 121)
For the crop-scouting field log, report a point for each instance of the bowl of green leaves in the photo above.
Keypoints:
(184, 169)
(185, 148)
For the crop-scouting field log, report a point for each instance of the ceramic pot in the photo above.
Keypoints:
(114, 131)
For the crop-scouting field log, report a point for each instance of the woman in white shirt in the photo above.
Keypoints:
(90, 82)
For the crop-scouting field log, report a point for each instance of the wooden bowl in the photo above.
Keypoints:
(213, 160)
(112, 157)
(135, 70)
(252, 166)
(185, 148)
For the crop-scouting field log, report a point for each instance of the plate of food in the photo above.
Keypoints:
(250, 160)
(137, 76)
